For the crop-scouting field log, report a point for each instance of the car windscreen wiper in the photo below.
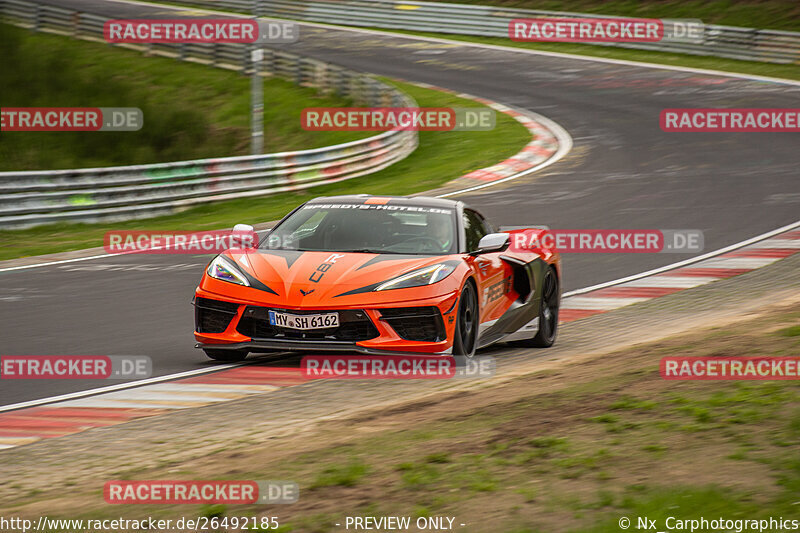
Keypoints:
(368, 251)
(268, 248)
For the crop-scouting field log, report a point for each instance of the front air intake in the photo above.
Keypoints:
(416, 323)
(213, 316)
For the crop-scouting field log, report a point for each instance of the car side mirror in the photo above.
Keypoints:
(245, 236)
(493, 242)
(243, 228)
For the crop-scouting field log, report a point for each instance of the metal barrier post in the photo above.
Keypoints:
(257, 103)
(37, 22)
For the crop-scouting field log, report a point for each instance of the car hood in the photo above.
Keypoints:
(325, 279)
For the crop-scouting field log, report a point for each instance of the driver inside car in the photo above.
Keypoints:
(441, 229)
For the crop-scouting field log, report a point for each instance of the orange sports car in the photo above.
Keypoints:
(379, 275)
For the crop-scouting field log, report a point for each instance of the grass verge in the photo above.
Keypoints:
(191, 111)
(572, 449)
(441, 157)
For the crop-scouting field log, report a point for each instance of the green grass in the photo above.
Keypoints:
(345, 475)
(190, 111)
(791, 331)
(441, 157)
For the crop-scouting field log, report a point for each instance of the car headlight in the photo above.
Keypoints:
(224, 270)
(417, 278)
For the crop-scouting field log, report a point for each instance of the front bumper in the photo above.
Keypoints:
(419, 327)
(309, 346)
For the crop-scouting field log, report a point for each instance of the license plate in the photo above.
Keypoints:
(305, 322)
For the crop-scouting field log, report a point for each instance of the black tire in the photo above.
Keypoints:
(548, 314)
(226, 355)
(465, 340)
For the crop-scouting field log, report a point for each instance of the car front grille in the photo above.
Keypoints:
(213, 316)
(416, 323)
(354, 326)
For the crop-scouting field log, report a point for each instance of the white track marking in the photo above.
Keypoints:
(202, 387)
(10, 442)
(102, 403)
(61, 262)
(671, 282)
(101, 256)
(145, 394)
(686, 262)
(778, 243)
(599, 304)
(750, 263)
(111, 388)
(169, 396)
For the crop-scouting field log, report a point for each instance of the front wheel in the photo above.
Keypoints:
(229, 356)
(465, 340)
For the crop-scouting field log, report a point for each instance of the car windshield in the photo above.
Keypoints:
(367, 228)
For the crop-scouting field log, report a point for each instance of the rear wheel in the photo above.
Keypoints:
(548, 314)
(465, 339)
(226, 355)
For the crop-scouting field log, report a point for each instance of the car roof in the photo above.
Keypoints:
(420, 201)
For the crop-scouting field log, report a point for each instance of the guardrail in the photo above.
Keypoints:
(122, 193)
(750, 44)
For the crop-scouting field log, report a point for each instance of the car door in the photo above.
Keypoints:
(493, 275)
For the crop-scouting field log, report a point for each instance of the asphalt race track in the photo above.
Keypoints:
(623, 172)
